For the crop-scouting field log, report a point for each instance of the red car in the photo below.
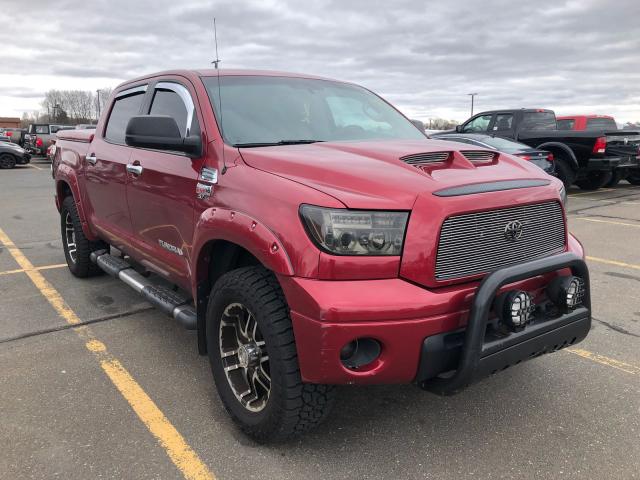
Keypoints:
(626, 146)
(316, 237)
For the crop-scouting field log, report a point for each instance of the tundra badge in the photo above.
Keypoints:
(171, 248)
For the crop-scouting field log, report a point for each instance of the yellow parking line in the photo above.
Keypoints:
(180, 453)
(612, 262)
(22, 270)
(610, 362)
(597, 220)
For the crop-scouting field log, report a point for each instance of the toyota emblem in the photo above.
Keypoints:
(513, 230)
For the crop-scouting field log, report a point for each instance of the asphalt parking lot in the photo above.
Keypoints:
(127, 395)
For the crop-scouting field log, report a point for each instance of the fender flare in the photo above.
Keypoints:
(237, 227)
(573, 161)
(241, 229)
(67, 175)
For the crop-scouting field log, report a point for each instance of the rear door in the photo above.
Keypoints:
(162, 196)
(503, 125)
(105, 169)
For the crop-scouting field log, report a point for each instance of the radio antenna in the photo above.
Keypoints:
(215, 63)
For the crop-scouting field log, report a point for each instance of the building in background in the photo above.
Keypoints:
(9, 122)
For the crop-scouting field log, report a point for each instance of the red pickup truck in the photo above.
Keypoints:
(315, 237)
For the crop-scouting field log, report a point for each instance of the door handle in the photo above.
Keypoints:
(135, 169)
(91, 158)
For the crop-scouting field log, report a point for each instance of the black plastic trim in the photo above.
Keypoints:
(473, 349)
(490, 187)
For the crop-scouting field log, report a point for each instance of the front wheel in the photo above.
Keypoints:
(7, 161)
(253, 357)
(77, 247)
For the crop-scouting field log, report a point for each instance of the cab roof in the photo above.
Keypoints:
(210, 72)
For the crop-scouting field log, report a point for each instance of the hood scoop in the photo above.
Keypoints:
(426, 159)
(479, 156)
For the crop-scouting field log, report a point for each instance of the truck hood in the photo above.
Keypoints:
(371, 174)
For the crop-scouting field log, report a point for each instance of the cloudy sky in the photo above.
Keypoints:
(424, 56)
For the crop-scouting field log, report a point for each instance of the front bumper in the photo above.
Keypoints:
(400, 315)
(476, 354)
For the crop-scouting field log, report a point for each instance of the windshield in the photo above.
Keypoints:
(503, 145)
(258, 110)
(538, 121)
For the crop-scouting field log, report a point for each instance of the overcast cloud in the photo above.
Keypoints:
(423, 56)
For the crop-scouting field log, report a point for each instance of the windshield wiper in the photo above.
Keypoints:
(273, 144)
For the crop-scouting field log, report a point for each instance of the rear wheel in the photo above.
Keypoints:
(595, 180)
(564, 172)
(253, 357)
(77, 248)
(616, 176)
(7, 161)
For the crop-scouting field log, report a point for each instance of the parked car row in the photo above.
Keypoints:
(587, 150)
(12, 154)
(40, 136)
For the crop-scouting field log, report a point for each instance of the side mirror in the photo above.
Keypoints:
(459, 128)
(160, 132)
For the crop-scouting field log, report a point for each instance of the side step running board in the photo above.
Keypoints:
(170, 302)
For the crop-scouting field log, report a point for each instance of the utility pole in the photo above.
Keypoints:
(472, 95)
(98, 116)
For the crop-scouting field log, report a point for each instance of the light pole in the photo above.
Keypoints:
(98, 93)
(472, 95)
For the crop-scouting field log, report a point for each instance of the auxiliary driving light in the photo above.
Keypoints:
(515, 309)
(567, 292)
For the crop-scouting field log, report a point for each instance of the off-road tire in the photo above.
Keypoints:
(82, 266)
(633, 179)
(293, 407)
(595, 180)
(7, 161)
(616, 176)
(564, 172)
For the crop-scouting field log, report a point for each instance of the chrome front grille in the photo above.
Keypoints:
(476, 243)
(419, 159)
(479, 156)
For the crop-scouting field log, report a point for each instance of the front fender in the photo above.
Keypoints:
(243, 230)
(573, 161)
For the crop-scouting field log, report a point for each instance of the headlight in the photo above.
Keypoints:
(355, 232)
(563, 194)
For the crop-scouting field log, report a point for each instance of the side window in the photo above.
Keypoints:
(478, 124)
(503, 122)
(42, 129)
(168, 102)
(566, 124)
(123, 109)
(174, 100)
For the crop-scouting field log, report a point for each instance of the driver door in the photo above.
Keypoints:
(161, 195)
